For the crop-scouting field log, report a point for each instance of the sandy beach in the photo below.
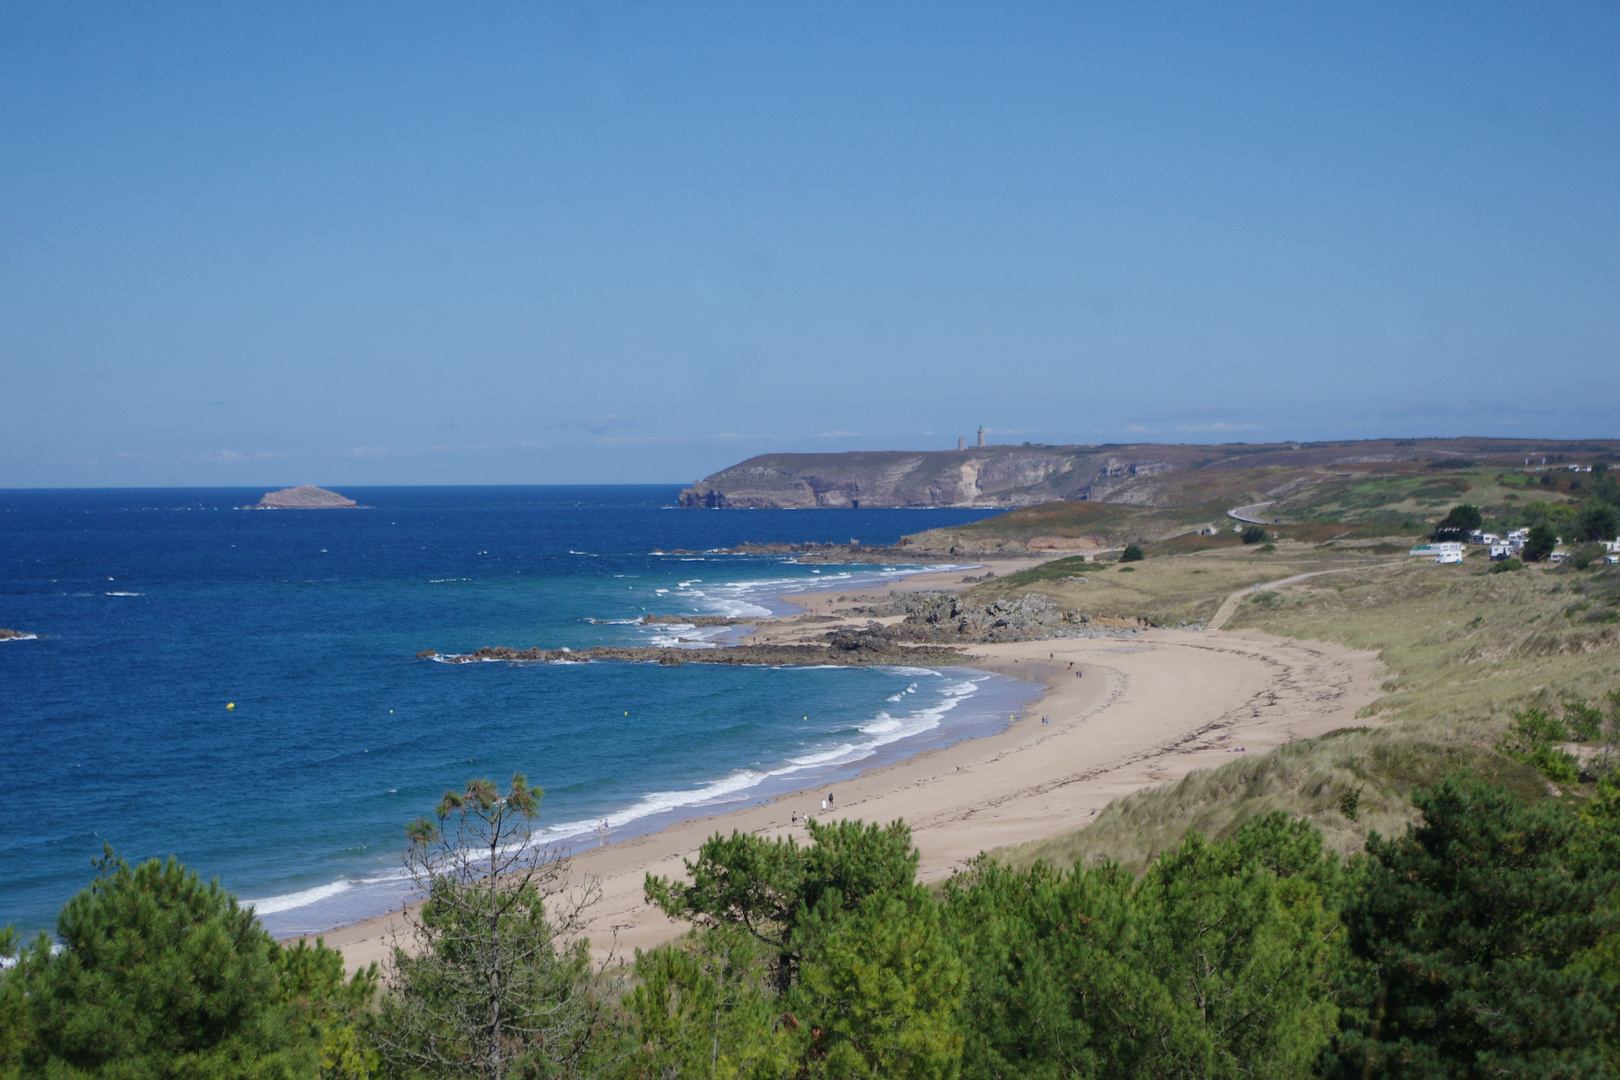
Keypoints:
(1124, 713)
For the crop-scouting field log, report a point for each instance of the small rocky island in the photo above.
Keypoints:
(16, 635)
(303, 497)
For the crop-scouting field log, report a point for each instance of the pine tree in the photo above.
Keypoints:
(160, 975)
(1467, 927)
(495, 978)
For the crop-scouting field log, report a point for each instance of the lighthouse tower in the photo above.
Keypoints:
(981, 434)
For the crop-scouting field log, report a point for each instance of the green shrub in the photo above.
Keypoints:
(1506, 566)
(1456, 525)
(1598, 522)
(1252, 534)
(1532, 739)
(1132, 553)
(1585, 555)
(1540, 543)
(1583, 721)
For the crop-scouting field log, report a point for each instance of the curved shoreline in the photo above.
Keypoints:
(955, 704)
(1149, 709)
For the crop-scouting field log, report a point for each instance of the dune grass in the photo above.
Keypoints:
(1367, 773)
(1464, 648)
(1169, 590)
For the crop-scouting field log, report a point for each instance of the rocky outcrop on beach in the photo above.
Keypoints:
(857, 648)
(303, 497)
(953, 619)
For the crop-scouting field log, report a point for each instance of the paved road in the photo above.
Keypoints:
(1246, 513)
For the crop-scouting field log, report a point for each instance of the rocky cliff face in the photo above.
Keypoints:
(1141, 474)
(1002, 476)
(998, 476)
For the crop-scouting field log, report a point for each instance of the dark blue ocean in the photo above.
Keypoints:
(153, 609)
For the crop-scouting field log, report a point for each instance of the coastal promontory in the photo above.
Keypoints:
(1135, 474)
(303, 497)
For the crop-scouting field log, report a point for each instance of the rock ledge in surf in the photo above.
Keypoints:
(16, 635)
(844, 648)
(303, 497)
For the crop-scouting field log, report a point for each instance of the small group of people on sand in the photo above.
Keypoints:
(826, 804)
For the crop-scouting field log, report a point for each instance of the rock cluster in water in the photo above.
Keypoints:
(848, 647)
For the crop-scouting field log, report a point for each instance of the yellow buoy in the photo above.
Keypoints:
(231, 705)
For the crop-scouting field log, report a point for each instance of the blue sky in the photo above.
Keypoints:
(553, 243)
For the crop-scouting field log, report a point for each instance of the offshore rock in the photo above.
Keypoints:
(303, 497)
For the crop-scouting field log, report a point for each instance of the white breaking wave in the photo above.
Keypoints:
(271, 905)
(726, 789)
(883, 730)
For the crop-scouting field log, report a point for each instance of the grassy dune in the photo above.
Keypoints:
(1168, 590)
(1464, 648)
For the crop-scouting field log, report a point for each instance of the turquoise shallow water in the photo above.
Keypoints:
(156, 608)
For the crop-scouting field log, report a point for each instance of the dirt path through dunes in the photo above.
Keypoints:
(1229, 606)
(1147, 710)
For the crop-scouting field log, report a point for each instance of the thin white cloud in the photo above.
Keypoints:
(236, 457)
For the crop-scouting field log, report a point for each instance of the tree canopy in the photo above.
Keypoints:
(161, 975)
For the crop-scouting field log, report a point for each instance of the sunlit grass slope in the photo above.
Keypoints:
(1463, 649)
